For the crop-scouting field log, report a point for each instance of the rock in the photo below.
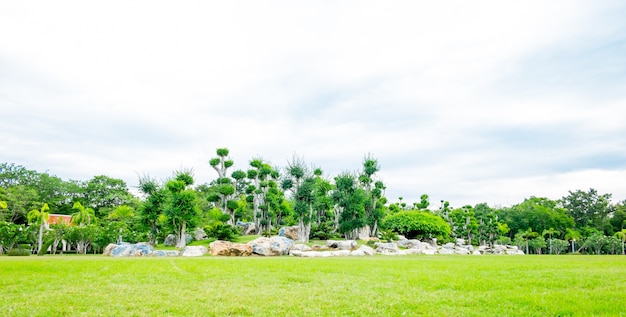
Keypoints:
(247, 228)
(401, 237)
(300, 247)
(341, 244)
(408, 244)
(108, 249)
(318, 247)
(127, 249)
(462, 251)
(340, 253)
(199, 234)
(271, 246)
(367, 250)
(194, 251)
(448, 245)
(170, 240)
(358, 252)
(165, 253)
(429, 251)
(289, 232)
(227, 248)
(387, 248)
(476, 252)
(446, 251)
(188, 238)
(460, 241)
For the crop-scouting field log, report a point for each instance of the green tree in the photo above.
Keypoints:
(572, 235)
(351, 201)
(181, 209)
(589, 209)
(123, 215)
(83, 216)
(549, 233)
(39, 217)
(464, 224)
(103, 193)
(622, 236)
(151, 211)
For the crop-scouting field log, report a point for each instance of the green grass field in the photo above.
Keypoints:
(288, 286)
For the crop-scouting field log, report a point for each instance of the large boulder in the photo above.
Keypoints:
(194, 251)
(247, 228)
(301, 247)
(199, 234)
(388, 248)
(127, 249)
(289, 232)
(271, 246)
(367, 250)
(227, 248)
(170, 240)
(341, 244)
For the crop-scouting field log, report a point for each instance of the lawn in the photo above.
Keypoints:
(289, 286)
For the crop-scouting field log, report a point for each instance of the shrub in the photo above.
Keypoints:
(21, 250)
(324, 231)
(222, 231)
(417, 224)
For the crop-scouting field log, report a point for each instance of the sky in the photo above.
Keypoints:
(466, 101)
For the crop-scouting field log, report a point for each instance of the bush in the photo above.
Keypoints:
(21, 250)
(417, 224)
(388, 236)
(324, 231)
(222, 231)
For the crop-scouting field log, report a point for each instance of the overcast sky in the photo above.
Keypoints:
(467, 101)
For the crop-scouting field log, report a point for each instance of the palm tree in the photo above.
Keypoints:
(572, 235)
(622, 236)
(40, 218)
(83, 216)
(549, 233)
(123, 214)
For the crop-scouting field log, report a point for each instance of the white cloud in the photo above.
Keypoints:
(469, 101)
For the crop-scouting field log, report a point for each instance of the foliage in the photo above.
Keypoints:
(588, 209)
(222, 231)
(417, 224)
(324, 231)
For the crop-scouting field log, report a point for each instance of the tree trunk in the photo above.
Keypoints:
(182, 241)
(302, 237)
(40, 238)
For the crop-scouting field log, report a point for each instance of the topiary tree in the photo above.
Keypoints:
(181, 209)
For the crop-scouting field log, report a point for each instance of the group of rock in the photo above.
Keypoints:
(282, 245)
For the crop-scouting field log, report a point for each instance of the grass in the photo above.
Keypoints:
(289, 286)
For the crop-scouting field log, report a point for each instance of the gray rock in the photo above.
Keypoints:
(194, 251)
(446, 251)
(165, 253)
(367, 250)
(341, 244)
(448, 245)
(408, 244)
(289, 232)
(300, 247)
(199, 234)
(389, 248)
(127, 249)
(170, 240)
(247, 228)
(462, 251)
(271, 246)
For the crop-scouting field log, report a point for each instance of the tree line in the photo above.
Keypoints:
(350, 205)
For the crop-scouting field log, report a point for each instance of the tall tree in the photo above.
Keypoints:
(589, 209)
(374, 192)
(83, 216)
(182, 208)
(153, 206)
(350, 200)
(39, 217)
